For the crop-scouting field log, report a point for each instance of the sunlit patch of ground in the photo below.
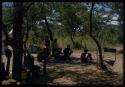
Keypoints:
(64, 81)
(76, 73)
(83, 75)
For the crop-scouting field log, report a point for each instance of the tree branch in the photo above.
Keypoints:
(91, 18)
(28, 7)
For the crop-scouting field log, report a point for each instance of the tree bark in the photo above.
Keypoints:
(100, 51)
(96, 41)
(72, 39)
(51, 38)
(8, 67)
(25, 41)
(49, 31)
(1, 36)
(18, 41)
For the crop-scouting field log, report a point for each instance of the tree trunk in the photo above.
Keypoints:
(44, 67)
(49, 31)
(0, 37)
(25, 47)
(96, 41)
(8, 66)
(51, 38)
(72, 39)
(99, 49)
(18, 41)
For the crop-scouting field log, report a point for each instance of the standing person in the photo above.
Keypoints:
(55, 47)
(46, 47)
(30, 61)
(47, 42)
(67, 52)
(46, 53)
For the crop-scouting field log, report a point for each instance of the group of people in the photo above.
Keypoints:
(64, 55)
(56, 51)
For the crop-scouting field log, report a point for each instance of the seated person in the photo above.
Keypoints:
(89, 57)
(86, 57)
(58, 53)
(40, 56)
(67, 52)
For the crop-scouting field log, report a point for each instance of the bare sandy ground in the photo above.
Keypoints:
(66, 74)
(117, 67)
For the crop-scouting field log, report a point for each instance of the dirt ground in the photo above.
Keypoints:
(75, 73)
(117, 67)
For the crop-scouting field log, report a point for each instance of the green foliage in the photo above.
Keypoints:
(7, 15)
(72, 19)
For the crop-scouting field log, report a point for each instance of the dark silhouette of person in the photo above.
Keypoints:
(46, 53)
(46, 42)
(58, 54)
(89, 57)
(36, 71)
(67, 52)
(46, 48)
(86, 57)
(30, 61)
(55, 47)
(40, 56)
(8, 54)
(30, 65)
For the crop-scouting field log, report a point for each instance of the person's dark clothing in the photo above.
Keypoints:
(54, 51)
(47, 43)
(67, 52)
(40, 55)
(30, 62)
(58, 53)
(46, 49)
(86, 57)
(54, 47)
(46, 53)
(89, 57)
(35, 71)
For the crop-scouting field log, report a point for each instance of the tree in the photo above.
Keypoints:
(70, 20)
(118, 8)
(18, 41)
(96, 41)
(0, 32)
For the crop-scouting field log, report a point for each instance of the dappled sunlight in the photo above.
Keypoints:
(64, 81)
(62, 44)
